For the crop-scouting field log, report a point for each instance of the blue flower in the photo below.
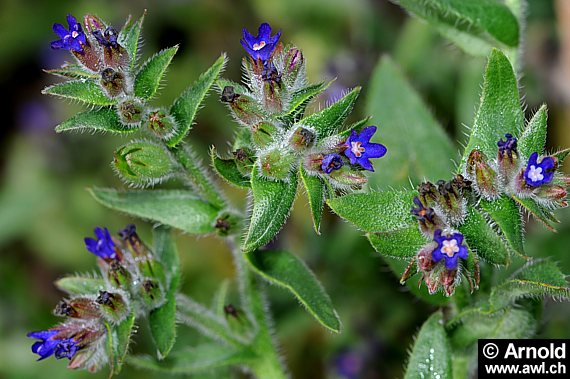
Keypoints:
(72, 39)
(359, 149)
(331, 162)
(508, 146)
(262, 46)
(103, 246)
(50, 345)
(537, 174)
(450, 248)
(107, 38)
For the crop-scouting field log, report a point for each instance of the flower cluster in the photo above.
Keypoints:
(132, 282)
(277, 136)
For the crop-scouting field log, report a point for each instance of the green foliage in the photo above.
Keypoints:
(506, 214)
(539, 212)
(177, 208)
(316, 192)
(100, 120)
(80, 285)
(500, 109)
(533, 138)
(118, 340)
(186, 106)
(475, 26)
(329, 120)
(483, 240)
(142, 163)
(162, 320)
(150, 75)
(83, 90)
(300, 99)
(272, 202)
(228, 170)
(130, 37)
(385, 211)
(401, 243)
(538, 278)
(431, 354)
(73, 71)
(418, 147)
(286, 270)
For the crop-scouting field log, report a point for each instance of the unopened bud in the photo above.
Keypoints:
(263, 133)
(346, 176)
(244, 159)
(507, 157)
(428, 193)
(161, 124)
(227, 223)
(130, 111)
(432, 281)
(246, 110)
(272, 93)
(112, 306)
(119, 276)
(228, 95)
(301, 139)
(142, 163)
(551, 192)
(427, 218)
(448, 281)
(151, 293)
(77, 308)
(276, 163)
(113, 82)
(424, 257)
(294, 66)
(483, 176)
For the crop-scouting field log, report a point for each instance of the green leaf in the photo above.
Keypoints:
(177, 208)
(482, 239)
(542, 214)
(118, 340)
(149, 76)
(561, 155)
(328, 121)
(84, 90)
(101, 120)
(499, 111)
(376, 211)
(78, 285)
(407, 129)
(538, 278)
(162, 320)
(272, 202)
(286, 270)
(533, 138)
(506, 214)
(401, 243)
(431, 354)
(186, 106)
(315, 189)
(300, 99)
(228, 170)
(201, 358)
(74, 71)
(488, 20)
(220, 298)
(130, 37)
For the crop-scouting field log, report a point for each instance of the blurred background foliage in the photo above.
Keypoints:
(45, 211)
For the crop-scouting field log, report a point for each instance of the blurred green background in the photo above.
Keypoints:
(45, 211)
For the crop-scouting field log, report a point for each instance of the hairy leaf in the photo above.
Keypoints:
(418, 147)
(315, 189)
(150, 75)
(499, 111)
(401, 243)
(177, 208)
(162, 320)
(481, 238)
(101, 120)
(300, 99)
(533, 138)
(542, 214)
(505, 213)
(431, 354)
(286, 270)
(538, 278)
(186, 106)
(84, 90)
(272, 201)
(376, 211)
(329, 121)
(74, 71)
(130, 37)
(78, 285)
(228, 170)
(118, 340)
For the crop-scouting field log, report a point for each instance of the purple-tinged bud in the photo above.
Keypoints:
(130, 111)
(294, 62)
(161, 124)
(507, 157)
(112, 306)
(432, 280)
(428, 193)
(119, 276)
(277, 163)
(113, 82)
(244, 159)
(424, 257)
(272, 93)
(114, 55)
(227, 223)
(151, 294)
(448, 281)
(79, 307)
(313, 163)
(331, 162)
(246, 110)
(555, 193)
(301, 139)
(348, 177)
(133, 242)
(428, 220)
(450, 200)
(263, 133)
(484, 177)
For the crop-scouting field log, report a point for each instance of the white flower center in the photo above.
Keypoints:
(535, 173)
(357, 149)
(259, 46)
(450, 248)
(74, 34)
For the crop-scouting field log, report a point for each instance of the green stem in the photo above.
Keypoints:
(197, 177)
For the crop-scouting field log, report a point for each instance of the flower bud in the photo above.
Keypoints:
(276, 163)
(161, 124)
(428, 193)
(424, 257)
(113, 82)
(79, 307)
(142, 163)
(483, 176)
(263, 133)
(151, 293)
(448, 281)
(432, 280)
(246, 110)
(554, 193)
(347, 177)
(294, 67)
(227, 223)
(427, 218)
(302, 139)
(507, 157)
(228, 95)
(451, 201)
(114, 55)
(130, 111)
(244, 159)
(112, 306)
(119, 276)
(272, 92)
